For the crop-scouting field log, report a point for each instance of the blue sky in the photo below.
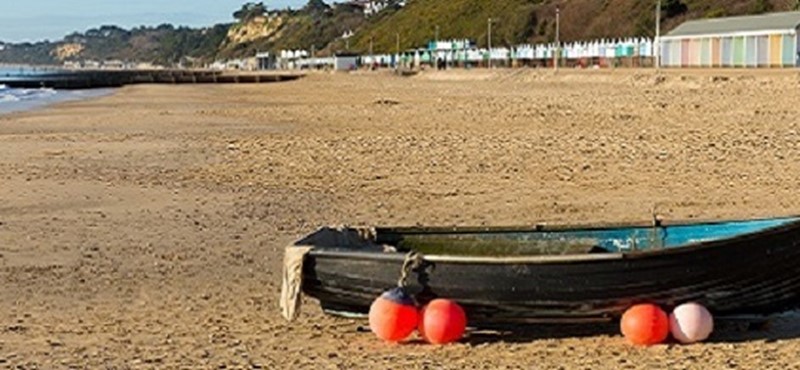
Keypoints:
(34, 20)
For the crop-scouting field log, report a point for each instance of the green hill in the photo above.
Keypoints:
(417, 23)
(521, 21)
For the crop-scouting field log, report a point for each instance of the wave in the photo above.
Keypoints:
(15, 100)
(8, 98)
(14, 95)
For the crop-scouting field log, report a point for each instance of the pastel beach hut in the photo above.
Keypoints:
(767, 40)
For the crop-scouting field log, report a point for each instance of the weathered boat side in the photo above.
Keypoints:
(752, 274)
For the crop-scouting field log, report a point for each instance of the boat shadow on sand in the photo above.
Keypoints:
(782, 327)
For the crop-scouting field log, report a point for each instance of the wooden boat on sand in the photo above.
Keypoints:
(554, 273)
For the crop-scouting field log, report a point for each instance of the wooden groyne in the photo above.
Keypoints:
(91, 79)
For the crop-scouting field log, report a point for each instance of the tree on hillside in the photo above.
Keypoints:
(673, 8)
(316, 7)
(250, 11)
(761, 7)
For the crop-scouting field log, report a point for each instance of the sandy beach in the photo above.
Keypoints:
(146, 229)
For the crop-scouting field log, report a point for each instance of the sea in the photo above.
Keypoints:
(15, 100)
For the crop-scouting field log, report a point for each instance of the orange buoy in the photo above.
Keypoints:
(443, 321)
(393, 316)
(645, 324)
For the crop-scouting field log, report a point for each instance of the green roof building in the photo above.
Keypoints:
(768, 40)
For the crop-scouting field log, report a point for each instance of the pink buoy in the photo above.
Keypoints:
(690, 323)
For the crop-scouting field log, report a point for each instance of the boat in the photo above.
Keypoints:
(553, 273)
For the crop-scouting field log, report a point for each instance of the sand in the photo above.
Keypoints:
(146, 229)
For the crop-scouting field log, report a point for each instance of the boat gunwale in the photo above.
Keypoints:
(555, 226)
(399, 257)
(552, 259)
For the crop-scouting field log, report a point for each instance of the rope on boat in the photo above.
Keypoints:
(657, 242)
(412, 261)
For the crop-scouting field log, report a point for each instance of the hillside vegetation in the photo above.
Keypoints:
(315, 25)
(164, 45)
(321, 26)
(417, 23)
(520, 21)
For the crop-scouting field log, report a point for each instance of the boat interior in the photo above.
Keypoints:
(537, 241)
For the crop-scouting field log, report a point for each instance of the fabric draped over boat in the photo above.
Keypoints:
(291, 286)
(362, 239)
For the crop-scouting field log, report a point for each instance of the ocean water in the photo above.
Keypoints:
(15, 100)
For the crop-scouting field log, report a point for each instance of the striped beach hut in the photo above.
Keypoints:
(768, 40)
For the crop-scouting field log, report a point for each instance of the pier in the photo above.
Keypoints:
(91, 79)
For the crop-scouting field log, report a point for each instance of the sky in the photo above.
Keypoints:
(35, 20)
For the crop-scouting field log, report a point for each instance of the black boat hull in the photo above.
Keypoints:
(757, 274)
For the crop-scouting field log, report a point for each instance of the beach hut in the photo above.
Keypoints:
(266, 60)
(345, 61)
(767, 40)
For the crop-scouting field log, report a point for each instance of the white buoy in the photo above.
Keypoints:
(691, 323)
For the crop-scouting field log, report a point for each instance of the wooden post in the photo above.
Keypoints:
(557, 56)
(397, 58)
(489, 38)
(657, 41)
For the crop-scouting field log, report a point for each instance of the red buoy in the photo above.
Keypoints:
(393, 316)
(443, 321)
(645, 324)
